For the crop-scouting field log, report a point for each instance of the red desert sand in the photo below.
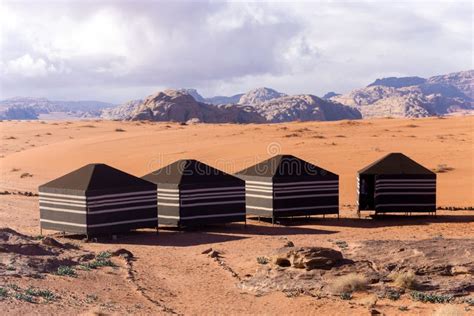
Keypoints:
(394, 265)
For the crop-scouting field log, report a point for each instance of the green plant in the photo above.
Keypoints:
(24, 297)
(46, 294)
(262, 260)
(3, 292)
(430, 298)
(66, 271)
(341, 244)
(14, 287)
(403, 308)
(103, 255)
(393, 295)
(345, 296)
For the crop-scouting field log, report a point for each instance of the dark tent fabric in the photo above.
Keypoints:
(193, 193)
(285, 185)
(97, 199)
(396, 183)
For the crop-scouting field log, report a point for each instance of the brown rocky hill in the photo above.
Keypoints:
(259, 96)
(304, 107)
(179, 106)
(395, 97)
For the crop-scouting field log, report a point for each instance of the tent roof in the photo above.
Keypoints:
(284, 166)
(395, 163)
(96, 176)
(189, 171)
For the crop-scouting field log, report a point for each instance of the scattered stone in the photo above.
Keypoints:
(205, 252)
(124, 253)
(49, 241)
(308, 258)
(214, 254)
(373, 311)
(289, 244)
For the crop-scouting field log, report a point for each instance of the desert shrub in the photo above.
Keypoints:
(349, 283)
(49, 134)
(430, 298)
(24, 297)
(262, 260)
(46, 294)
(469, 301)
(103, 255)
(3, 292)
(119, 130)
(11, 137)
(345, 296)
(393, 295)
(405, 280)
(88, 126)
(15, 170)
(448, 310)
(66, 271)
(26, 175)
(292, 135)
(403, 308)
(412, 125)
(319, 136)
(341, 244)
(101, 260)
(341, 136)
(442, 168)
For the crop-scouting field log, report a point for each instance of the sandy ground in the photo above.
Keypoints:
(170, 274)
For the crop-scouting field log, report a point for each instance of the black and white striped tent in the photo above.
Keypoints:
(396, 183)
(285, 185)
(97, 199)
(193, 193)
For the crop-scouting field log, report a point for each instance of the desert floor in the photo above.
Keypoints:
(170, 274)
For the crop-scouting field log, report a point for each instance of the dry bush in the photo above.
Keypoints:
(119, 130)
(341, 136)
(11, 137)
(412, 125)
(349, 283)
(88, 125)
(26, 175)
(442, 168)
(405, 280)
(292, 135)
(448, 310)
(319, 136)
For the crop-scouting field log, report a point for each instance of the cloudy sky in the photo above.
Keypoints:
(119, 50)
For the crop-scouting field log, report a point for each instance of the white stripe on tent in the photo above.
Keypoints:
(167, 190)
(260, 208)
(406, 180)
(406, 193)
(63, 203)
(303, 196)
(306, 182)
(304, 208)
(122, 202)
(259, 182)
(97, 212)
(213, 193)
(306, 190)
(258, 190)
(171, 198)
(213, 203)
(43, 199)
(100, 225)
(127, 199)
(201, 216)
(78, 197)
(167, 204)
(242, 195)
(308, 187)
(260, 196)
(212, 189)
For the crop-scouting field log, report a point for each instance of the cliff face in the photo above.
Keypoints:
(392, 97)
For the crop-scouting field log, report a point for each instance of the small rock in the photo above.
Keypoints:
(48, 241)
(373, 311)
(289, 243)
(205, 252)
(214, 254)
(124, 253)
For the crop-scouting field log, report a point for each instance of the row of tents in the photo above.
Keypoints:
(97, 198)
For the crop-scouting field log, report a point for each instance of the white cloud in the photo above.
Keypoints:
(116, 50)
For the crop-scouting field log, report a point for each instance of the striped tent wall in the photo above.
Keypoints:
(259, 198)
(186, 205)
(310, 197)
(405, 193)
(96, 212)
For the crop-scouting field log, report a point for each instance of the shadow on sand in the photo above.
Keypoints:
(211, 234)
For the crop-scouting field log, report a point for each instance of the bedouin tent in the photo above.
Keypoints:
(193, 193)
(97, 199)
(285, 185)
(396, 183)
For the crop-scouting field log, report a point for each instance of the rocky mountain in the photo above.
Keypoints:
(304, 107)
(23, 108)
(395, 82)
(179, 106)
(122, 111)
(259, 96)
(234, 99)
(412, 96)
(463, 81)
(330, 95)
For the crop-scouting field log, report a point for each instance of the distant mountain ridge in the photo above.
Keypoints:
(413, 96)
(27, 108)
